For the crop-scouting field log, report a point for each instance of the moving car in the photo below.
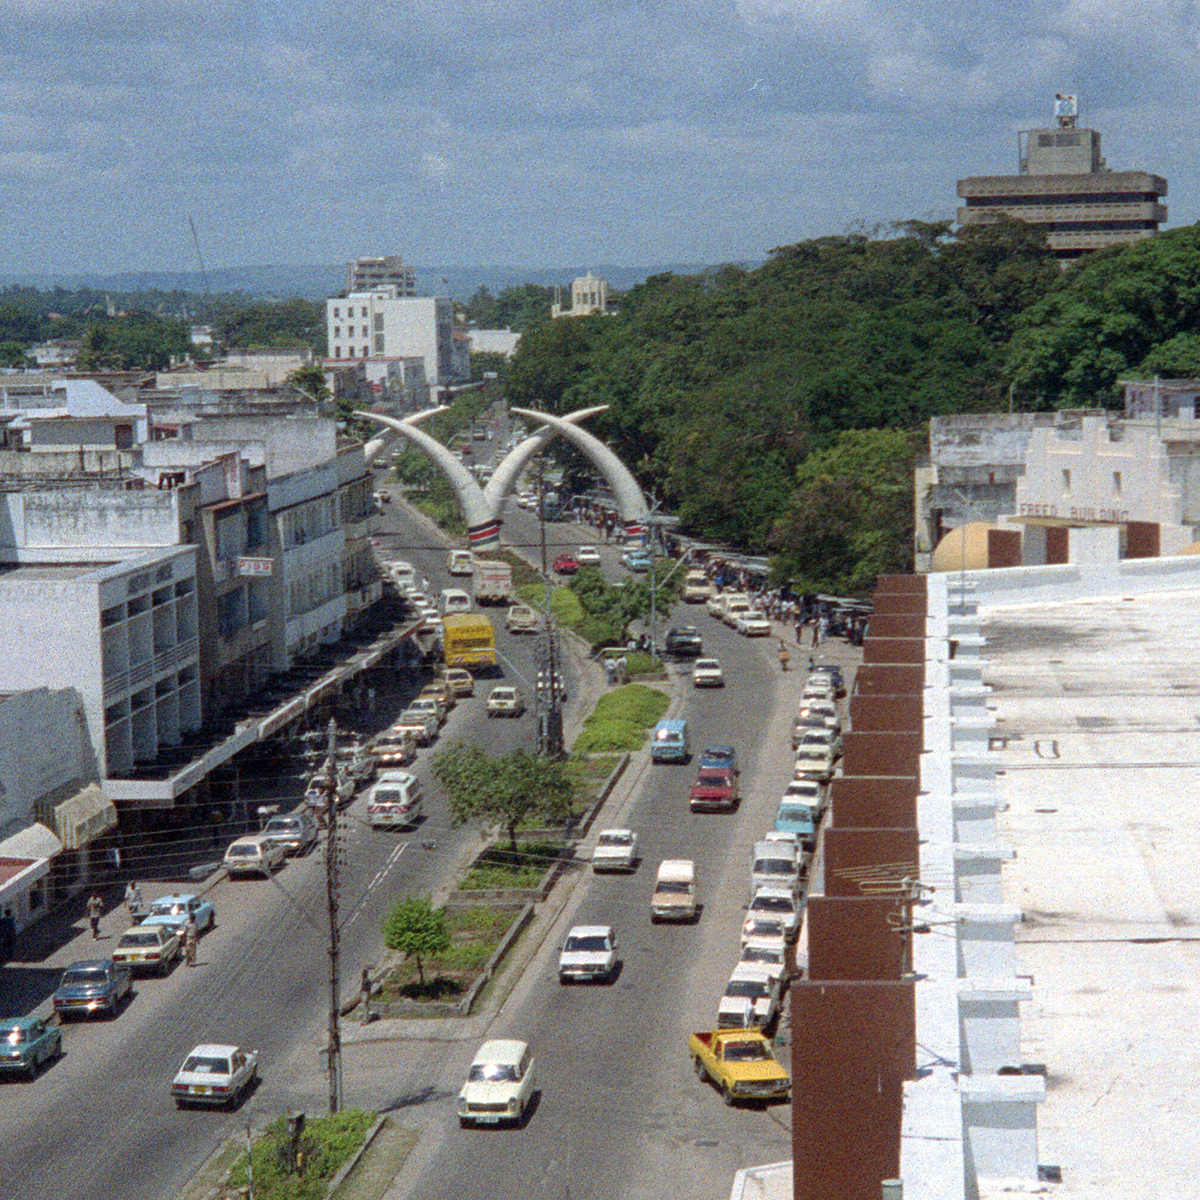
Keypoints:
(26, 1043)
(499, 1084)
(460, 562)
(215, 1074)
(505, 701)
(616, 850)
(394, 748)
(750, 999)
(715, 789)
(95, 985)
(684, 641)
(148, 946)
(590, 952)
(637, 561)
(735, 607)
(707, 673)
(459, 680)
(395, 802)
(724, 757)
(696, 588)
(257, 854)
(752, 624)
(453, 600)
(295, 832)
(522, 619)
(674, 897)
(175, 909)
(588, 556)
(565, 564)
(669, 742)
(740, 1064)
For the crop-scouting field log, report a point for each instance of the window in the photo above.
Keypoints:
(1066, 481)
(1116, 483)
(337, 331)
(364, 310)
(379, 322)
(366, 353)
(337, 352)
(337, 312)
(379, 343)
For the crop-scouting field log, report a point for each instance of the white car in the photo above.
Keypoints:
(778, 903)
(821, 707)
(258, 854)
(752, 624)
(765, 930)
(770, 957)
(588, 556)
(499, 1084)
(814, 762)
(589, 953)
(505, 701)
(395, 801)
(818, 687)
(616, 850)
(750, 999)
(706, 672)
(214, 1074)
(521, 618)
(807, 791)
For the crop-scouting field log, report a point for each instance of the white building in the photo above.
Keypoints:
(589, 298)
(493, 341)
(382, 324)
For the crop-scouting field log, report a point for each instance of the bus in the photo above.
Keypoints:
(469, 641)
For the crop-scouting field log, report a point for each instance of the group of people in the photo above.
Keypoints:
(136, 906)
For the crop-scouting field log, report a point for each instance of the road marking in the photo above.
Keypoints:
(380, 876)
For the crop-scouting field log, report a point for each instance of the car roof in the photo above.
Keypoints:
(771, 892)
(174, 898)
(500, 1050)
(212, 1050)
(619, 830)
(85, 963)
(590, 931)
(746, 970)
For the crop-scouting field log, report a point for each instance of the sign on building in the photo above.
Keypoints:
(255, 566)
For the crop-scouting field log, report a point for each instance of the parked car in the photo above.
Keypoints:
(822, 707)
(767, 930)
(215, 1074)
(798, 817)
(637, 561)
(616, 850)
(257, 854)
(149, 947)
(296, 833)
(835, 673)
(587, 556)
(522, 619)
(814, 762)
(750, 999)
(96, 985)
(26, 1043)
(499, 1085)
(707, 673)
(565, 564)
(829, 739)
(396, 801)
(589, 953)
(684, 641)
(779, 903)
(175, 909)
(769, 957)
(752, 624)
(505, 701)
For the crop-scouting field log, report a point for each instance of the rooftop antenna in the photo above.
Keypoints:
(207, 297)
(1066, 110)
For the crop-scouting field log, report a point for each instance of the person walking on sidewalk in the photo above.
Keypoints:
(95, 908)
(134, 902)
(191, 936)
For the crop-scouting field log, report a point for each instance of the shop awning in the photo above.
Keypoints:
(35, 841)
(85, 817)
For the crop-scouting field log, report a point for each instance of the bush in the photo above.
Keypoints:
(599, 736)
(599, 632)
(563, 602)
(636, 703)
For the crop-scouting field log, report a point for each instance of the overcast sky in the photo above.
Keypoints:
(568, 131)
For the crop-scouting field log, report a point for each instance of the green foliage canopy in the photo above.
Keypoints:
(417, 930)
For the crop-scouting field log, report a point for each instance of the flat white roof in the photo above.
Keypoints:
(1099, 790)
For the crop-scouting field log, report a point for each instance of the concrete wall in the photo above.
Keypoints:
(79, 519)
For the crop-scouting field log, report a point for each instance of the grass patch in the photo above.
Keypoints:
(444, 513)
(326, 1145)
(564, 604)
(621, 719)
(592, 768)
(499, 867)
(523, 575)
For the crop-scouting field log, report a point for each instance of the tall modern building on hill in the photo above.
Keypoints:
(1064, 187)
(388, 270)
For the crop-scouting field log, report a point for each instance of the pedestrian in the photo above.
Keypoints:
(370, 701)
(8, 934)
(610, 669)
(133, 902)
(95, 908)
(622, 670)
(191, 936)
(810, 664)
(816, 633)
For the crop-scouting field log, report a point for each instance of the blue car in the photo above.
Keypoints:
(797, 817)
(26, 1043)
(174, 910)
(636, 560)
(723, 757)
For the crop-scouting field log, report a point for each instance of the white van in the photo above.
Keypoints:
(395, 801)
(453, 600)
(461, 562)
(674, 897)
(774, 864)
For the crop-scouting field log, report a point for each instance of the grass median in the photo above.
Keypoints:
(621, 720)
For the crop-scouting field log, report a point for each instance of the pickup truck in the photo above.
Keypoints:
(740, 1064)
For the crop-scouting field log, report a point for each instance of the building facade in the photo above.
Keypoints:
(388, 270)
(589, 298)
(1064, 187)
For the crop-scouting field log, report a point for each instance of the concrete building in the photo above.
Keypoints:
(383, 324)
(589, 298)
(493, 341)
(398, 384)
(1064, 187)
(368, 274)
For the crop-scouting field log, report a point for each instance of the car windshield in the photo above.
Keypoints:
(747, 989)
(779, 904)
(141, 937)
(746, 1051)
(673, 887)
(493, 1073)
(794, 813)
(85, 977)
(242, 852)
(760, 954)
(13, 1034)
(616, 839)
(282, 825)
(593, 944)
(167, 908)
(774, 866)
(203, 1064)
(503, 694)
(715, 755)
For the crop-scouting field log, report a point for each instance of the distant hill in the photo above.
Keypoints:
(316, 282)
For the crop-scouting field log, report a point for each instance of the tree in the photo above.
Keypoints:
(503, 791)
(418, 930)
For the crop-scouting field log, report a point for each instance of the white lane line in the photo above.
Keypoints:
(380, 876)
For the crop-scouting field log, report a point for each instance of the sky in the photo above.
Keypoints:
(568, 131)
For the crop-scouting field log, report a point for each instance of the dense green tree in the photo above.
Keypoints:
(136, 342)
(417, 930)
(516, 308)
(12, 354)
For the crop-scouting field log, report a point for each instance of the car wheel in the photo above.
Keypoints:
(701, 1073)
(727, 1095)
(180, 1103)
(32, 1069)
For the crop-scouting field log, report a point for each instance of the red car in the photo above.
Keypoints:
(715, 788)
(566, 564)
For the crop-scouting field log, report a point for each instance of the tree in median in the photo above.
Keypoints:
(503, 791)
(417, 930)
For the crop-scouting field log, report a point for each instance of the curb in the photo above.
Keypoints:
(352, 1162)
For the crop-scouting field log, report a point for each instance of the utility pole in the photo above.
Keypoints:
(331, 889)
(551, 732)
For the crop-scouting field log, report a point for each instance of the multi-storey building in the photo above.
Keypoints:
(388, 270)
(1064, 187)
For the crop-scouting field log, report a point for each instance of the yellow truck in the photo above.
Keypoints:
(741, 1065)
(469, 640)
